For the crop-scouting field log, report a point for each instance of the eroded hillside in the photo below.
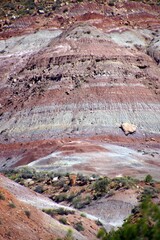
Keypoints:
(71, 73)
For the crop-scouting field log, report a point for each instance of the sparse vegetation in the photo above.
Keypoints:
(144, 224)
(86, 189)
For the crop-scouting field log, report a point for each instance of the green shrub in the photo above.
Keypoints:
(83, 215)
(60, 211)
(101, 185)
(69, 235)
(49, 211)
(27, 172)
(71, 197)
(125, 182)
(79, 226)
(60, 198)
(78, 202)
(144, 226)
(63, 220)
(63, 211)
(149, 192)
(148, 178)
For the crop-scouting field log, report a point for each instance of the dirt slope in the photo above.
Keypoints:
(22, 216)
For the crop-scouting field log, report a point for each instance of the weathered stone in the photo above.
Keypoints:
(128, 128)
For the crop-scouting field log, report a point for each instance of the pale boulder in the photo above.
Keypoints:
(128, 128)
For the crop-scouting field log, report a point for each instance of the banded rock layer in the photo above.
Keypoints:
(85, 80)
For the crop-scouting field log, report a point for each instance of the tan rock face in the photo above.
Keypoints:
(128, 128)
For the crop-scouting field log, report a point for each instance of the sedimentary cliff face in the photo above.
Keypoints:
(80, 81)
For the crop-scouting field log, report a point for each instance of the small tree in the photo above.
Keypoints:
(148, 178)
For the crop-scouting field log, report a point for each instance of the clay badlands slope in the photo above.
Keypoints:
(22, 216)
(66, 88)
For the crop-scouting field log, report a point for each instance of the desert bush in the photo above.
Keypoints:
(83, 179)
(66, 188)
(11, 204)
(83, 215)
(149, 192)
(27, 172)
(78, 202)
(148, 179)
(101, 185)
(28, 213)
(79, 226)
(126, 182)
(49, 211)
(144, 225)
(60, 198)
(39, 189)
(61, 182)
(69, 235)
(63, 220)
(71, 196)
(63, 211)
(60, 211)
